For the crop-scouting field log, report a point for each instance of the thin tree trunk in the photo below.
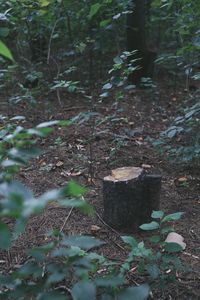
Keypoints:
(136, 40)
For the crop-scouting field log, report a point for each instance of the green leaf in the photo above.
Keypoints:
(47, 124)
(4, 51)
(44, 3)
(104, 23)
(4, 32)
(106, 297)
(15, 188)
(68, 252)
(51, 296)
(134, 293)
(157, 214)
(153, 271)
(155, 239)
(17, 118)
(130, 241)
(118, 60)
(167, 229)
(150, 226)
(107, 86)
(172, 247)
(56, 276)
(5, 236)
(109, 282)
(84, 207)
(23, 155)
(81, 241)
(172, 217)
(84, 291)
(73, 189)
(94, 10)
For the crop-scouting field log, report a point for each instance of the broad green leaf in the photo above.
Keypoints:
(130, 241)
(81, 241)
(47, 124)
(56, 276)
(106, 297)
(94, 10)
(5, 236)
(4, 51)
(109, 282)
(155, 239)
(74, 190)
(107, 86)
(172, 247)
(166, 229)
(84, 206)
(40, 253)
(172, 217)
(141, 266)
(157, 214)
(4, 32)
(104, 23)
(18, 118)
(153, 271)
(150, 226)
(23, 155)
(19, 227)
(68, 252)
(134, 293)
(118, 60)
(9, 190)
(30, 268)
(51, 296)
(104, 95)
(7, 163)
(83, 291)
(145, 252)
(44, 3)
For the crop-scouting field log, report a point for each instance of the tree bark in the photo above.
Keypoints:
(136, 40)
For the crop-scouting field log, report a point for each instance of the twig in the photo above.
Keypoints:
(57, 76)
(73, 108)
(58, 96)
(50, 39)
(118, 245)
(112, 229)
(66, 219)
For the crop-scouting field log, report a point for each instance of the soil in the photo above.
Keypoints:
(115, 136)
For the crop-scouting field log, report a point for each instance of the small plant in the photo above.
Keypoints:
(181, 141)
(123, 66)
(159, 261)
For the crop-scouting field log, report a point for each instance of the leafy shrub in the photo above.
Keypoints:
(181, 141)
(159, 261)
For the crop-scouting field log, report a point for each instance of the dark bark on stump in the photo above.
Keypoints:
(128, 203)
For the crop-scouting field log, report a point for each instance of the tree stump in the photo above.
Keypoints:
(129, 196)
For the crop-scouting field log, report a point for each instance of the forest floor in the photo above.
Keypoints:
(115, 136)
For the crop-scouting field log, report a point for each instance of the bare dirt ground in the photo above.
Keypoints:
(86, 152)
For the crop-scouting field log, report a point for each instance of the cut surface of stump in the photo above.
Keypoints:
(129, 196)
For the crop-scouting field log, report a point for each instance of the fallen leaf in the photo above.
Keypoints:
(174, 237)
(70, 173)
(144, 166)
(100, 271)
(95, 229)
(182, 179)
(59, 163)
